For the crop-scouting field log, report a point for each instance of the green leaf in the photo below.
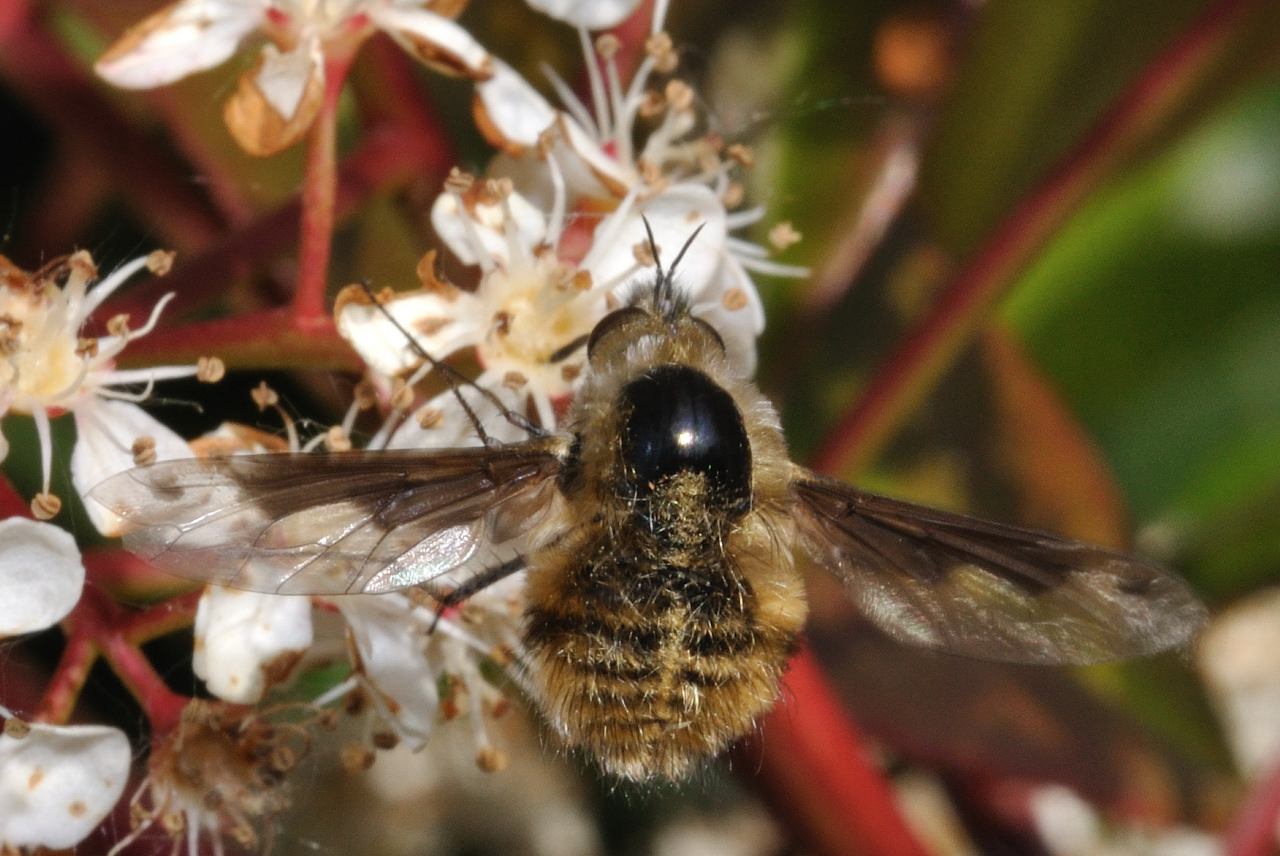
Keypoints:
(1034, 78)
(1156, 312)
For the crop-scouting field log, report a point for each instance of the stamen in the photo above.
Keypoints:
(106, 286)
(603, 120)
(43, 435)
(571, 101)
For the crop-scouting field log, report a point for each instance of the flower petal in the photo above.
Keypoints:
(276, 101)
(246, 640)
(394, 662)
(106, 431)
(179, 40)
(588, 14)
(586, 165)
(435, 40)
(510, 113)
(440, 322)
(461, 225)
(442, 423)
(673, 215)
(57, 783)
(1239, 657)
(41, 575)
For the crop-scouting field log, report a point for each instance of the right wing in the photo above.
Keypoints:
(337, 523)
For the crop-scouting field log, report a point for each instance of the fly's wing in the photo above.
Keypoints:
(985, 589)
(339, 523)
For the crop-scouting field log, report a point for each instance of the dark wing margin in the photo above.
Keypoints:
(989, 590)
(337, 523)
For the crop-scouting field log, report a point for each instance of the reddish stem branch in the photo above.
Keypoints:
(96, 626)
(68, 679)
(921, 359)
(816, 772)
(388, 154)
(175, 613)
(319, 186)
(277, 338)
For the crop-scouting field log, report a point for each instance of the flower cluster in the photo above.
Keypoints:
(554, 235)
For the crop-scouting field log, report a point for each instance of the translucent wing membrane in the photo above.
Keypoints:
(986, 589)
(355, 522)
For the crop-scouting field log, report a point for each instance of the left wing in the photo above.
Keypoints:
(986, 589)
(336, 523)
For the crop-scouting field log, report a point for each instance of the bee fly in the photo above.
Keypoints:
(660, 532)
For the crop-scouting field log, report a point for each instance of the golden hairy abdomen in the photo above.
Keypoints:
(652, 667)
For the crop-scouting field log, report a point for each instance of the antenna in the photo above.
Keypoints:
(456, 380)
(666, 279)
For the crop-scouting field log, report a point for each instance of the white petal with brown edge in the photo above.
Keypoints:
(277, 100)
(179, 40)
(41, 575)
(57, 783)
(435, 40)
(588, 14)
(245, 639)
(511, 113)
(106, 432)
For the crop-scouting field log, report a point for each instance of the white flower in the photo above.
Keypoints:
(1069, 826)
(529, 316)
(46, 368)
(589, 14)
(58, 782)
(245, 641)
(1239, 657)
(41, 575)
(278, 99)
(405, 654)
(590, 156)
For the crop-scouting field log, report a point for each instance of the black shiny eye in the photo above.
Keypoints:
(678, 420)
(611, 322)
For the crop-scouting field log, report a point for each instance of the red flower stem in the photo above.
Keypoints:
(927, 351)
(817, 775)
(175, 613)
(127, 577)
(271, 339)
(68, 679)
(319, 187)
(96, 626)
(387, 155)
(1253, 833)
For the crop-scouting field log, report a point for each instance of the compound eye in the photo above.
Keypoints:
(709, 330)
(614, 320)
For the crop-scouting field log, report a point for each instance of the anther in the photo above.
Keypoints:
(783, 235)
(45, 506)
(144, 451)
(159, 262)
(210, 369)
